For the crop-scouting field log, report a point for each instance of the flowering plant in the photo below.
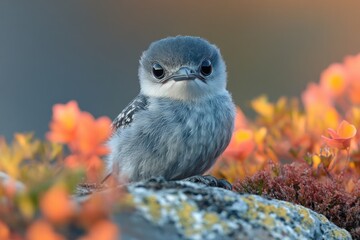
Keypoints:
(309, 155)
(290, 152)
(37, 179)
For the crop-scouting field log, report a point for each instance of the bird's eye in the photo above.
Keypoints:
(158, 71)
(206, 68)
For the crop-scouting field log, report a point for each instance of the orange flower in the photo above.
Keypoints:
(241, 145)
(102, 230)
(341, 138)
(56, 205)
(91, 134)
(333, 80)
(4, 231)
(84, 135)
(41, 230)
(64, 123)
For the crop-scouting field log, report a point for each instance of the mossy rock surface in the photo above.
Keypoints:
(182, 210)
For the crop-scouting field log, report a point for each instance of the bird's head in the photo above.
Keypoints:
(183, 68)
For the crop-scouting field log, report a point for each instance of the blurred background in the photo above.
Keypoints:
(55, 51)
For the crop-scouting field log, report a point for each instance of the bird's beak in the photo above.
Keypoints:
(184, 74)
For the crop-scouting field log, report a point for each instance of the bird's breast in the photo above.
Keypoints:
(175, 139)
(191, 135)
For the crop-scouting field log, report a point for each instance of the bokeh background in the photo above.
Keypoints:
(55, 51)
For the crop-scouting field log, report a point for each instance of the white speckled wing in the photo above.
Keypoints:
(140, 102)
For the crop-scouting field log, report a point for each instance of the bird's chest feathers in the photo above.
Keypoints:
(202, 124)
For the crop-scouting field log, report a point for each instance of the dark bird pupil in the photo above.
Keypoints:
(158, 71)
(206, 68)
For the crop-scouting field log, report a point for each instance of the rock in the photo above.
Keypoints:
(183, 210)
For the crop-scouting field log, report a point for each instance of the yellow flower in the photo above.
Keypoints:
(262, 106)
(333, 80)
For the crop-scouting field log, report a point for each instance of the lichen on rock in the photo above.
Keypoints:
(184, 210)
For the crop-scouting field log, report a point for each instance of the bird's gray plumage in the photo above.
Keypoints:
(174, 128)
(184, 50)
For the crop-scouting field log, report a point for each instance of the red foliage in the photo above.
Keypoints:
(300, 184)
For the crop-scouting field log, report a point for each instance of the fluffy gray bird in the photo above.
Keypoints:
(183, 117)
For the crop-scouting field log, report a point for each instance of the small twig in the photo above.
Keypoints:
(105, 178)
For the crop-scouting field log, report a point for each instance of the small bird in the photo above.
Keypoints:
(183, 117)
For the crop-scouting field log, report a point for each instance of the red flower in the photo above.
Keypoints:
(341, 138)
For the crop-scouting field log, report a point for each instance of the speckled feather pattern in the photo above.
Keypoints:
(126, 116)
(172, 138)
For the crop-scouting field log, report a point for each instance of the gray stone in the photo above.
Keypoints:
(184, 210)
